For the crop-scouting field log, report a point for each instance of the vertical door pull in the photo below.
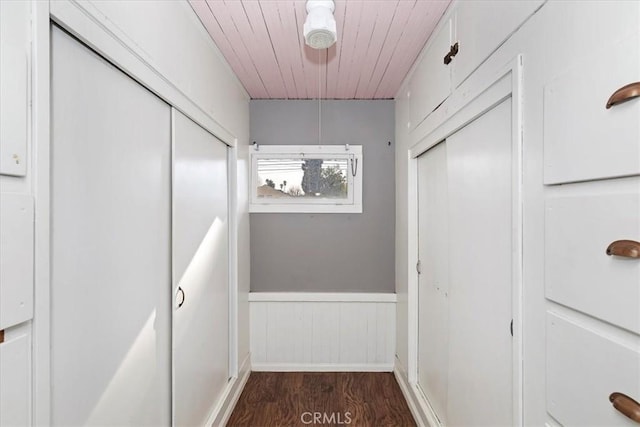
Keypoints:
(180, 295)
(1, 336)
(624, 94)
(624, 248)
(626, 405)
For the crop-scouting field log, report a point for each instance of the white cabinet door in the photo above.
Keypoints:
(16, 259)
(433, 283)
(480, 276)
(110, 244)
(15, 377)
(481, 27)
(200, 272)
(15, 32)
(430, 84)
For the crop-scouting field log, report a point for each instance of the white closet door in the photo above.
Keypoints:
(111, 252)
(433, 285)
(200, 272)
(480, 262)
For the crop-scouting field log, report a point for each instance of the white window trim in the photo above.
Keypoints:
(353, 204)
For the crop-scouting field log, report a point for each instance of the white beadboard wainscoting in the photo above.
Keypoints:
(297, 331)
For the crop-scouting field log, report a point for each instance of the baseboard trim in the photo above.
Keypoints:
(422, 412)
(321, 367)
(221, 414)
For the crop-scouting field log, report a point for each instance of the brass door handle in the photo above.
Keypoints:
(626, 406)
(624, 94)
(624, 248)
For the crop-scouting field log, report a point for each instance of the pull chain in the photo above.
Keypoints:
(319, 98)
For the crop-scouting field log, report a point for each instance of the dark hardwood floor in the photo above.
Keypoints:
(321, 399)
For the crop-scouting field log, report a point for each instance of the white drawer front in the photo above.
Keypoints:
(583, 369)
(582, 139)
(578, 272)
(15, 379)
(16, 259)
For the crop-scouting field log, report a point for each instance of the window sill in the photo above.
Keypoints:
(299, 208)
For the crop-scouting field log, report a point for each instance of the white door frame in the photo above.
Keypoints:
(86, 23)
(492, 90)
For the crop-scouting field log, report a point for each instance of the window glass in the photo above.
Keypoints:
(302, 178)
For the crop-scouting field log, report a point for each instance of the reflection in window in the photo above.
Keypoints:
(302, 178)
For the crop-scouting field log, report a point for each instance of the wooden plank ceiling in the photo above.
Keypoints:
(378, 42)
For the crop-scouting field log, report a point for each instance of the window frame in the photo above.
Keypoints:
(353, 202)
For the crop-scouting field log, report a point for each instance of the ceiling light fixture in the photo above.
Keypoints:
(320, 25)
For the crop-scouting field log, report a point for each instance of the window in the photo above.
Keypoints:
(306, 178)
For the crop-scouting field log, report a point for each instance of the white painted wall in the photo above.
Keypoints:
(585, 27)
(179, 63)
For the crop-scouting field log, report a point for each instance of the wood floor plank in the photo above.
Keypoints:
(363, 399)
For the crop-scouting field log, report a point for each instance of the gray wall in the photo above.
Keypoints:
(329, 252)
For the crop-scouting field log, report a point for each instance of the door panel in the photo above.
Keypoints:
(480, 262)
(430, 84)
(433, 285)
(110, 247)
(201, 271)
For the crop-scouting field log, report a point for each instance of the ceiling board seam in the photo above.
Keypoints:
(273, 49)
(333, 57)
(339, 54)
(234, 50)
(301, 54)
(253, 31)
(373, 30)
(384, 41)
(389, 46)
(354, 62)
(251, 57)
(289, 62)
(291, 46)
(344, 83)
(228, 42)
(393, 55)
